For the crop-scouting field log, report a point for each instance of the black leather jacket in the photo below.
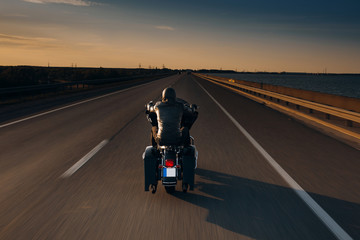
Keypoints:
(170, 118)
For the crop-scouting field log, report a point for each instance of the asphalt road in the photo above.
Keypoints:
(238, 194)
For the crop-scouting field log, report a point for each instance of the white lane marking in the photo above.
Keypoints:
(69, 106)
(84, 159)
(324, 217)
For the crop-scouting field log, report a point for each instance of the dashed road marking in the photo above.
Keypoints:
(84, 159)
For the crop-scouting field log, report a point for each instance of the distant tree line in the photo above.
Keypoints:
(13, 76)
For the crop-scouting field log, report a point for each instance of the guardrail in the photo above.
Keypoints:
(14, 92)
(329, 111)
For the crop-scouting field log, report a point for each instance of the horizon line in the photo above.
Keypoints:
(192, 69)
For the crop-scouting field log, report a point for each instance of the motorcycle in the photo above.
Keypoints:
(170, 164)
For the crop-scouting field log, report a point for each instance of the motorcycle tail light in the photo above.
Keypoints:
(169, 163)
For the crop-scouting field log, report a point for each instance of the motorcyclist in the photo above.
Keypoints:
(171, 119)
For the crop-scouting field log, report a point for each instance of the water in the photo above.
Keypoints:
(338, 84)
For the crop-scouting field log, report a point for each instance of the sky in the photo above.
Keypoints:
(243, 35)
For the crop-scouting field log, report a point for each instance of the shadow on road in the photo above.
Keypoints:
(262, 210)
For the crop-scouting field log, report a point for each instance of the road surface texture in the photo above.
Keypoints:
(238, 194)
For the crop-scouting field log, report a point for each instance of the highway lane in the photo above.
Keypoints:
(38, 150)
(323, 166)
(237, 196)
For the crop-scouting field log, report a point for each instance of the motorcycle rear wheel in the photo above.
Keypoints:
(153, 188)
(170, 189)
(185, 187)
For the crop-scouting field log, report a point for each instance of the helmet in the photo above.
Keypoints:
(169, 95)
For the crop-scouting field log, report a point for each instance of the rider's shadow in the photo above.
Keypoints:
(266, 211)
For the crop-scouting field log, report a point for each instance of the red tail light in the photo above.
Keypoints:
(169, 163)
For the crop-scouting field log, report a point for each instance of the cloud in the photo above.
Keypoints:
(82, 3)
(22, 41)
(167, 28)
(15, 15)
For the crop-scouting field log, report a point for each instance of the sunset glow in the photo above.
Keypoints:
(237, 35)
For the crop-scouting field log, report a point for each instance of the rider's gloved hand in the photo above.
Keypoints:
(148, 107)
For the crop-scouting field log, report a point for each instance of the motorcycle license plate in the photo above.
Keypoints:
(169, 172)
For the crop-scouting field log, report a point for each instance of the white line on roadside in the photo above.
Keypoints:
(69, 106)
(324, 217)
(84, 159)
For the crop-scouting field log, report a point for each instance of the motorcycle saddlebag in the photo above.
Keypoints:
(189, 163)
(150, 166)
